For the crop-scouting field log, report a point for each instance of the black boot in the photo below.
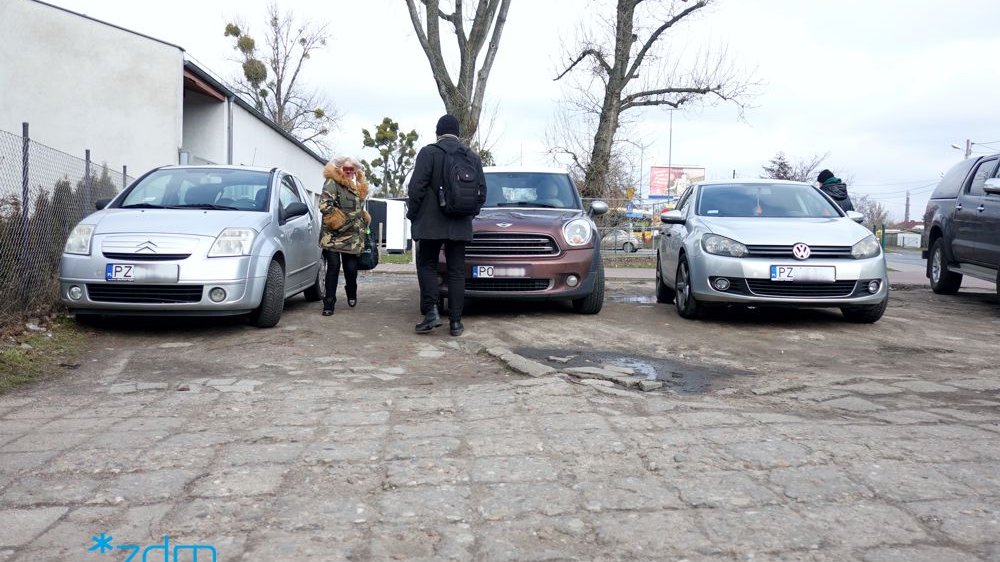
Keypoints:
(328, 307)
(352, 302)
(456, 327)
(431, 320)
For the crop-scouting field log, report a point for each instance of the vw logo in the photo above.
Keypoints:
(504, 224)
(801, 251)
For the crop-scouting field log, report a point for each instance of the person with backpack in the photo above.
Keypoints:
(835, 188)
(447, 189)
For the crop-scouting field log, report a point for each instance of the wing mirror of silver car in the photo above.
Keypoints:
(992, 186)
(672, 217)
(598, 208)
(102, 203)
(856, 216)
(295, 209)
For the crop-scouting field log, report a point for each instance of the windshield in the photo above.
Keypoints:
(530, 189)
(200, 188)
(764, 200)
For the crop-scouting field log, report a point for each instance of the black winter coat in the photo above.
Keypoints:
(423, 209)
(838, 191)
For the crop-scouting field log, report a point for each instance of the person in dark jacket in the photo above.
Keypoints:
(835, 188)
(432, 229)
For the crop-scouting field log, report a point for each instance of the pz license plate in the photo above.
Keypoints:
(119, 272)
(803, 274)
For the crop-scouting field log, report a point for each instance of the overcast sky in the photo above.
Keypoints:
(885, 87)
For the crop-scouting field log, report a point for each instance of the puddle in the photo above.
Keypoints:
(677, 375)
(631, 299)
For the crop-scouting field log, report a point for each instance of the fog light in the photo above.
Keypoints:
(218, 294)
(572, 280)
(873, 286)
(75, 292)
(721, 284)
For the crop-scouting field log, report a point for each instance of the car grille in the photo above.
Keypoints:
(767, 288)
(504, 285)
(145, 294)
(836, 252)
(144, 257)
(502, 244)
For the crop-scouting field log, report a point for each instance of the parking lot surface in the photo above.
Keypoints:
(777, 435)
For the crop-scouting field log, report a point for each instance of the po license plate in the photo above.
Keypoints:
(490, 271)
(795, 273)
(119, 272)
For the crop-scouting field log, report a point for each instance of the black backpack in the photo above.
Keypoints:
(460, 193)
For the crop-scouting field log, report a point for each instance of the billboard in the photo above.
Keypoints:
(672, 180)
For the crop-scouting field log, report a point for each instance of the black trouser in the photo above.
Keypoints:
(333, 261)
(427, 266)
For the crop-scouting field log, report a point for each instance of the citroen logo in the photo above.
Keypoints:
(801, 251)
(504, 224)
(148, 246)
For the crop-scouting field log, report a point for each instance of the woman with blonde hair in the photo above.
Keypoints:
(345, 221)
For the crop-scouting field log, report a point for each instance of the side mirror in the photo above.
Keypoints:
(295, 209)
(672, 217)
(856, 216)
(102, 203)
(598, 208)
(992, 186)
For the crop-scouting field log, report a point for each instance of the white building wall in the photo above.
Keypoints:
(205, 129)
(83, 84)
(256, 144)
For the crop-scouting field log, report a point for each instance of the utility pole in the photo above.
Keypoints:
(968, 148)
(906, 218)
(670, 152)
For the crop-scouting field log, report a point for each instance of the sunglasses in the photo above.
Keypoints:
(349, 169)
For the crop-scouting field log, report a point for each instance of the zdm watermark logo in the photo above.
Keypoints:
(170, 552)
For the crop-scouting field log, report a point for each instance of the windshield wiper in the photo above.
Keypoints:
(142, 206)
(527, 204)
(210, 206)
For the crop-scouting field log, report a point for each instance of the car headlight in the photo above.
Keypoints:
(233, 242)
(867, 248)
(578, 232)
(722, 246)
(79, 240)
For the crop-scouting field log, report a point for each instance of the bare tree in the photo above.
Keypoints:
(271, 75)
(781, 168)
(628, 65)
(875, 212)
(462, 98)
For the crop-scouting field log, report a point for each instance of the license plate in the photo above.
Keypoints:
(804, 274)
(119, 272)
(490, 271)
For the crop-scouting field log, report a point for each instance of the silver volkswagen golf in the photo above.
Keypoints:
(196, 240)
(768, 242)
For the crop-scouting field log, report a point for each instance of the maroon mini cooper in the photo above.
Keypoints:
(533, 240)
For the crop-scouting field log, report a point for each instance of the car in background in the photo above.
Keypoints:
(196, 240)
(533, 240)
(962, 225)
(619, 239)
(768, 242)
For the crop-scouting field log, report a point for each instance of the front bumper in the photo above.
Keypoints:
(538, 278)
(750, 281)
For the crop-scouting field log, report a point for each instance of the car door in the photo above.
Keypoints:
(672, 238)
(966, 242)
(988, 233)
(297, 236)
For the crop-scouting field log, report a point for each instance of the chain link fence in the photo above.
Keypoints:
(43, 194)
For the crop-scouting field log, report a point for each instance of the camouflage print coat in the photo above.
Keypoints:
(344, 217)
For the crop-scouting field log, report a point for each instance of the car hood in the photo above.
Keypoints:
(532, 220)
(198, 222)
(787, 231)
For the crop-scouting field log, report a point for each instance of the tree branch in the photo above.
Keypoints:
(659, 31)
(589, 52)
(431, 44)
(491, 54)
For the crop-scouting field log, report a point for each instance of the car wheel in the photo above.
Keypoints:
(687, 306)
(865, 314)
(272, 302)
(628, 247)
(592, 303)
(663, 293)
(943, 281)
(442, 306)
(318, 290)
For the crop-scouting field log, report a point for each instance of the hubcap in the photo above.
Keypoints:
(936, 266)
(682, 287)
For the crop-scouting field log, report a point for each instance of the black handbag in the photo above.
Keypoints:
(369, 255)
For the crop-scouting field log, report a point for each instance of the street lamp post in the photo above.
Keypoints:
(670, 152)
(968, 147)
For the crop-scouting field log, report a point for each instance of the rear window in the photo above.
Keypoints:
(530, 189)
(178, 188)
(953, 181)
(764, 200)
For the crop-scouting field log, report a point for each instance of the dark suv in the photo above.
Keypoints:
(962, 225)
(534, 240)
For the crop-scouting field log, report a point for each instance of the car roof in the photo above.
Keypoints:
(217, 167)
(523, 169)
(759, 181)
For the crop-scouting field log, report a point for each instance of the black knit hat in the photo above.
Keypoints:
(824, 175)
(447, 125)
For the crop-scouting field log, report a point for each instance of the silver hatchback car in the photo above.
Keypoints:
(196, 240)
(768, 242)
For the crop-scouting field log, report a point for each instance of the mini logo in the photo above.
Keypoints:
(504, 224)
(148, 246)
(801, 251)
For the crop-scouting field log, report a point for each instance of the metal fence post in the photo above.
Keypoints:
(124, 176)
(25, 204)
(86, 181)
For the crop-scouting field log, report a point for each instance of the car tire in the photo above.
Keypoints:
(687, 305)
(628, 247)
(865, 314)
(664, 294)
(318, 290)
(272, 303)
(442, 306)
(592, 303)
(943, 281)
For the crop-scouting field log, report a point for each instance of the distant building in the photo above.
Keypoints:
(133, 100)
